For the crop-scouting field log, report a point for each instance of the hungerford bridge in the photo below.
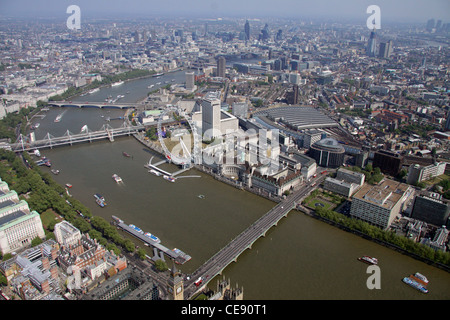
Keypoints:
(24, 143)
(87, 104)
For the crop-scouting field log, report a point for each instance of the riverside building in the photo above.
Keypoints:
(380, 204)
(18, 225)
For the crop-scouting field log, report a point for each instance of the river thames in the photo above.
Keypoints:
(301, 258)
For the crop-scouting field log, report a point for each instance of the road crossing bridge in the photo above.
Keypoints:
(217, 263)
(89, 104)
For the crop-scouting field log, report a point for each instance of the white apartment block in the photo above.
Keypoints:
(66, 234)
(417, 173)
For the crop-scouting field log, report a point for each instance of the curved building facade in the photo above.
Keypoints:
(327, 153)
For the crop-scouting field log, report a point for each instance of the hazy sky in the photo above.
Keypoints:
(391, 10)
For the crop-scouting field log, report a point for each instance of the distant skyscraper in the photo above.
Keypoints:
(264, 33)
(372, 45)
(279, 36)
(430, 24)
(247, 30)
(221, 67)
(447, 123)
(385, 49)
(190, 80)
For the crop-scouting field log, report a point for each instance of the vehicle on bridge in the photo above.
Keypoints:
(198, 282)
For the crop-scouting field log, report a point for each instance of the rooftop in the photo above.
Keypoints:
(386, 194)
(299, 117)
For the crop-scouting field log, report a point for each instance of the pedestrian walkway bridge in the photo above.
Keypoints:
(24, 143)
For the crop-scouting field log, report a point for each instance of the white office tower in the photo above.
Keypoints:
(211, 118)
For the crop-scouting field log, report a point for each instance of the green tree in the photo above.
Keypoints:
(141, 253)
(161, 265)
(36, 241)
(129, 245)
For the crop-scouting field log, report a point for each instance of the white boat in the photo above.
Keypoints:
(115, 84)
(94, 90)
(169, 178)
(136, 228)
(37, 153)
(117, 178)
(58, 118)
(156, 173)
(152, 237)
(420, 278)
(150, 86)
(369, 260)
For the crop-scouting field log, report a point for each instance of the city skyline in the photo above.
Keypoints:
(400, 11)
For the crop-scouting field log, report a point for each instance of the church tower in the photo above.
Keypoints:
(175, 284)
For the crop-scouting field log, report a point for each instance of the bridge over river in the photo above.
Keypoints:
(23, 143)
(217, 263)
(89, 104)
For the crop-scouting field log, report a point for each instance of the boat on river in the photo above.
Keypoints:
(182, 255)
(152, 237)
(100, 203)
(420, 278)
(369, 260)
(58, 117)
(117, 178)
(416, 285)
(156, 173)
(115, 84)
(100, 200)
(169, 178)
(99, 196)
